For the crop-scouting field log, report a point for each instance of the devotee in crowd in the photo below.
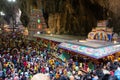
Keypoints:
(28, 60)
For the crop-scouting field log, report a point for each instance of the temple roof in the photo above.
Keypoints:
(96, 49)
(97, 52)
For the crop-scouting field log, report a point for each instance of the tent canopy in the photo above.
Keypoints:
(96, 53)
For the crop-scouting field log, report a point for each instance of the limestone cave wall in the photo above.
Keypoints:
(77, 17)
(68, 16)
(112, 11)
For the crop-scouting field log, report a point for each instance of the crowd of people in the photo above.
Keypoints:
(28, 60)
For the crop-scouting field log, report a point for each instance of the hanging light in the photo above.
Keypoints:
(11, 0)
(14, 0)
(2, 13)
(38, 32)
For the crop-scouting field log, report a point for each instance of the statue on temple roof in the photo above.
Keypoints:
(101, 32)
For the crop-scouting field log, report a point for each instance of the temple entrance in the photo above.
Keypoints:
(101, 36)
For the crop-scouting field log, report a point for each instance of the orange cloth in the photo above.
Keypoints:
(57, 75)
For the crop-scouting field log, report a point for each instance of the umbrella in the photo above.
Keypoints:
(40, 76)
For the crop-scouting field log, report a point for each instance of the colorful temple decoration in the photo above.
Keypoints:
(37, 22)
(96, 53)
(102, 32)
(37, 19)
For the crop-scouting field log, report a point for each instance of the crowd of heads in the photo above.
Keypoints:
(24, 63)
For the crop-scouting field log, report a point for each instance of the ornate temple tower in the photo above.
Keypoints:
(101, 32)
(37, 21)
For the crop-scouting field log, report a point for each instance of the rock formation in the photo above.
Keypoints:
(75, 17)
